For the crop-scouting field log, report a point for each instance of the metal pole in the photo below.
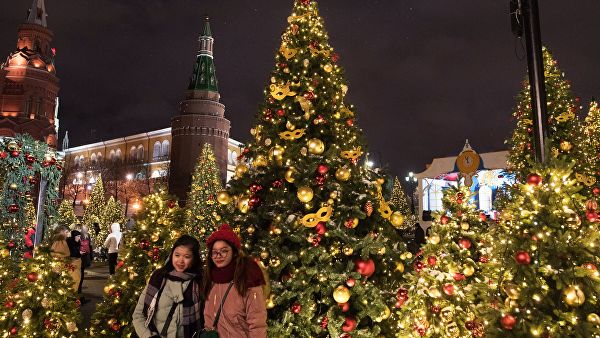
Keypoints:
(535, 69)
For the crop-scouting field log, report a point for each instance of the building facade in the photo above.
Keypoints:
(28, 82)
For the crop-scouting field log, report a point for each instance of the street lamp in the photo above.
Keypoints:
(128, 177)
(411, 180)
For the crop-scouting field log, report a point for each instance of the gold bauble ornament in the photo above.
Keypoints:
(223, 197)
(573, 296)
(565, 146)
(511, 290)
(342, 174)
(397, 219)
(386, 313)
(316, 146)
(434, 239)
(276, 154)
(243, 205)
(399, 267)
(71, 326)
(593, 318)
(250, 229)
(154, 237)
(241, 169)
(464, 226)
(264, 255)
(12, 146)
(341, 294)
(305, 194)
(289, 175)
(27, 313)
(434, 292)
(260, 161)
(4, 253)
(348, 250)
(45, 302)
(328, 68)
(13, 186)
(469, 270)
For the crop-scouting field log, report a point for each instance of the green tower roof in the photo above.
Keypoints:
(204, 76)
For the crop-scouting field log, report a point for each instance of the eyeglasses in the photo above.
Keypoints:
(219, 253)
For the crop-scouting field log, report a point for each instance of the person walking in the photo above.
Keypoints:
(170, 305)
(85, 249)
(233, 289)
(60, 249)
(112, 244)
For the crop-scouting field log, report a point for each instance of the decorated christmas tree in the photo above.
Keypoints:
(24, 164)
(66, 214)
(312, 214)
(201, 213)
(449, 290)
(592, 135)
(142, 251)
(94, 211)
(38, 299)
(401, 202)
(564, 128)
(548, 253)
(113, 212)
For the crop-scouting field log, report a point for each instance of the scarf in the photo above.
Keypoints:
(254, 275)
(193, 317)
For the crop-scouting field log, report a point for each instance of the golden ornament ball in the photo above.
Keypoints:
(511, 290)
(328, 68)
(45, 303)
(341, 294)
(434, 292)
(154, 237)
(468, 270)
(276, 154)
(348, 250)
(250, 229)
(342, 174)
(397, 219)
(243, 205)
(434, 239)
(264, 255)
(13, 186)
(260, 161)
(333, 194)
(464, 226)
(270, 302)
(593, 318)
(316, 146)
(573, 296)
(565, 146)
(241, 169)
(289, 175)
(400, 267)
(305, 194)
(223, 197)
(4, 253)
(386, 313)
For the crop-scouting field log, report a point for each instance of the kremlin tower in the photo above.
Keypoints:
(28, 82)
(201, 120)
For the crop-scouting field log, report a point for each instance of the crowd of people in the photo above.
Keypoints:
(187, 297)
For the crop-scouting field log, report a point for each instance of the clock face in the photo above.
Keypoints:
(468, 161)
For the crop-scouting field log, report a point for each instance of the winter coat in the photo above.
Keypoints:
(173, 292)
(60, 249)
(113, 239)
(241, 317)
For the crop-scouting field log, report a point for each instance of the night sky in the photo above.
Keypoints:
(423, 75)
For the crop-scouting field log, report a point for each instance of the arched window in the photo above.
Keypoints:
(132, 154)
(164, 152)
(156, 151)
(76, 161)
(112, 155)
(118, 154)
(99, 157)
(140, 153)
(485, 198)
(93, 159)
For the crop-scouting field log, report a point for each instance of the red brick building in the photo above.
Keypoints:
(28, 82)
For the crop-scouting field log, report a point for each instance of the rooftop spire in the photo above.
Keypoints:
(37, 13)
(207, 31)
(204, 76)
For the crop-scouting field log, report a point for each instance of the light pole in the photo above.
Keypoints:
(128, 177)
(411, 180)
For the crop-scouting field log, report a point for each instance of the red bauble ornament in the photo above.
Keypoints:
(316, 240)
(171, 204)
(459, 276)
(320, 179)
(296, 308)
(9, 304)
(344, 306)
(459, 200)
(335, 57)
(418, 266)
(280, 112)
(508, 322)
(3, 154)
(115, 326)
(436, 309)
(464, 243)
(10, 244)
(534, 179)
(13, 208)
(277, 183)
(591, 216)
(350, 122)
(282, 65)
(596, 191)
(365, 268)
(32, 276)
(14, 153)
(444, 219)
(322, 169)
(402, 293)
(309, 95)
(29, 158)
(321, 228)
(77, 303)
(483, 259)
(350, 282)
(449, 289)
(253, 201)
(255, 187)
(522, 258)
(589, 266)
(422, 330)
(432, 260)
(349, 324)
(13, 331)
(399, 303)
(144, 244)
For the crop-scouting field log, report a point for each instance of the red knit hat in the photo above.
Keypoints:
(224, 234)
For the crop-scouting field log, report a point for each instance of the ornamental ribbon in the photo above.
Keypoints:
(322, 215)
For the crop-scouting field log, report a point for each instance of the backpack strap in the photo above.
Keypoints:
(221, 306)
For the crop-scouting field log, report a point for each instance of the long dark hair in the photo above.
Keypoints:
(240, 276)
(192, 244)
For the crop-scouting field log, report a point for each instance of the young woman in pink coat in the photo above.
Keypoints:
(244, 312)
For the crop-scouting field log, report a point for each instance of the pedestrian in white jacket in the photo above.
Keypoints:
(112, 244)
